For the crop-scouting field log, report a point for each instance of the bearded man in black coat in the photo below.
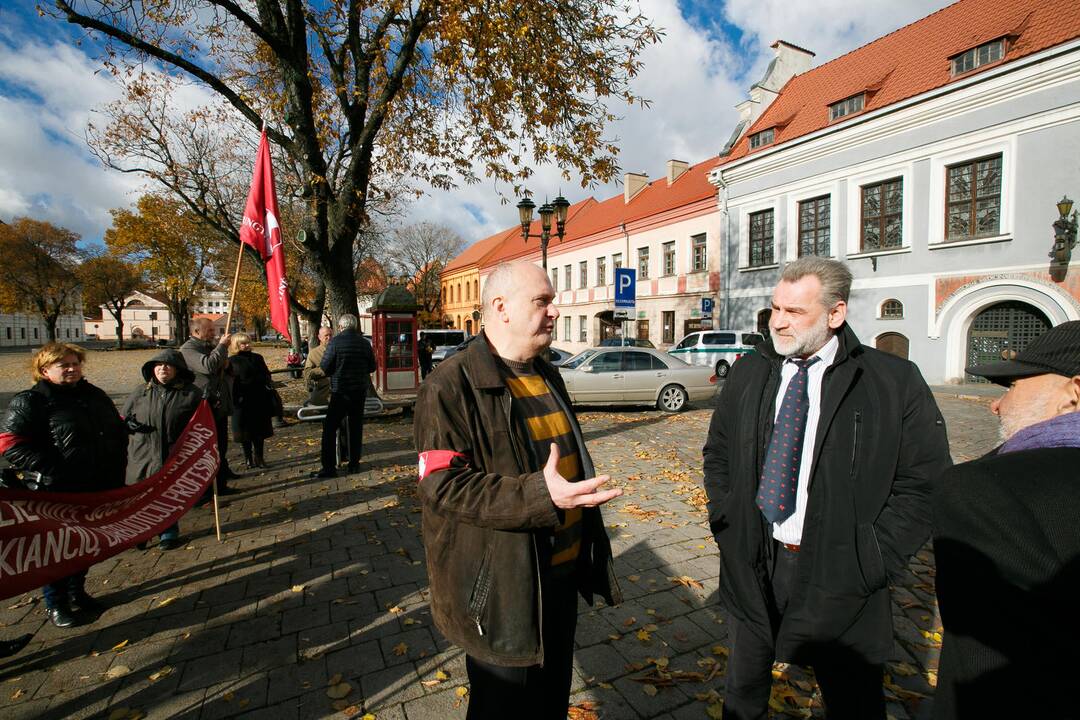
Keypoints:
(1007, 544)
(818, 469)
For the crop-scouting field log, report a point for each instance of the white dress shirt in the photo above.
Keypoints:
(790, 529)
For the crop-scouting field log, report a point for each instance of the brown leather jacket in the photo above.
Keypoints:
(488, 517)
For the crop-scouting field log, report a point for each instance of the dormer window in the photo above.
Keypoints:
(976, 57)
(759, 139)
(849, 106)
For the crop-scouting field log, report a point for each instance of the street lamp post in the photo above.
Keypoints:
(1064, 240)
(556, 208)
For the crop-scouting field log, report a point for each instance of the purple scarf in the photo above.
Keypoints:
(1060, 431)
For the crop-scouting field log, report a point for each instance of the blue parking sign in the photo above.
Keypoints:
(625, 287)
(706, 307)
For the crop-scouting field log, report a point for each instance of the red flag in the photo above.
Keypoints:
(260, 230)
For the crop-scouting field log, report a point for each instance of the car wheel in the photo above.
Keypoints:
(722, 369)
(672, 399)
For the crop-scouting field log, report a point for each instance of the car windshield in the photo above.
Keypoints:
(578, 359)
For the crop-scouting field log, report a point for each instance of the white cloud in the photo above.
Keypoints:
(48, 90)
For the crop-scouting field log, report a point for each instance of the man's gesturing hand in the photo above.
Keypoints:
(566, 494)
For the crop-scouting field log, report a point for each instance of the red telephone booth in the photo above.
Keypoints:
(393, 338)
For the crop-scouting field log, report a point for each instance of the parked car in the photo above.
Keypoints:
(445, 342)
(625, 342)
(718, 349)
(557, 357)
(635, 376)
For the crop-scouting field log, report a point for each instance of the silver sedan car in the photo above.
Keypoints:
(635, 376)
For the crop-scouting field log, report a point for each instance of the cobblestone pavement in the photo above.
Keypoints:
(315, 604)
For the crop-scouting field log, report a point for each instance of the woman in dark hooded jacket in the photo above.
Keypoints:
(157, 411)
(253, 399)
(69, 431)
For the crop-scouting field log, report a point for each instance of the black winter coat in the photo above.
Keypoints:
(348, 362)
(166, 409)
(1007, 548)
(488, 518)
(73, 435)
(252, 397)
(880, 443)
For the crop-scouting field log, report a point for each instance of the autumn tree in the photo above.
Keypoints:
(40, 270)
(420, 251)
(171, 245)
(363, 99)
(108, 282)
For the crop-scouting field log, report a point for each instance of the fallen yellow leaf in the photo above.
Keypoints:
(461, 691)
(338, 691)
(120, 645)
(649, 690)
(643, 635)
(167, 601)
(400, 649)
(442, 675)
(715, 711)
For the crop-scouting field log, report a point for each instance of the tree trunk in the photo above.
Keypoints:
(294, 331)
(120, 334)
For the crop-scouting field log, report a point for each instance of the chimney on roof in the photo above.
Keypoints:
(633, 184)
(675, 168)
(788, 61)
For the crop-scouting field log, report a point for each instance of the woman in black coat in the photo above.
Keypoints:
(69, 431)
(253, 399)
(157, 411)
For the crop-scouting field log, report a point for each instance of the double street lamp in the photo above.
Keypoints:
(557, 208)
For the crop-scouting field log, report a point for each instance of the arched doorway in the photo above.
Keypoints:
(1004, 327)
(468, 327)
(609, 326)
(763, 317)
(893, 343)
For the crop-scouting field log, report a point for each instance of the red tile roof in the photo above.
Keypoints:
(913, 60)
(475, 253)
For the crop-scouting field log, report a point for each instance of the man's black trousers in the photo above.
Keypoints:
(536, 692)
(345, 404)
(850, 688)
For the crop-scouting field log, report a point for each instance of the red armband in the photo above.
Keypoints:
(436, 460)
(10, 440)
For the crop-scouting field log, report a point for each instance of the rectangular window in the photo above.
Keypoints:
(761, 239)
(566, 276)
(765, 137)
(616, 260)
(583, 326)
(882, 215)
(566, 328)
(846, 107)
(35, 333)
(977, 57)
(643, 263)
(583, 274)
(601, 271)
(555, 279)
(973, 199)
(76, 333)
(642, 329)
(669, 258)
(67, 333)
(8, 330)
(667, 320)
(700, 255)
(814, 227)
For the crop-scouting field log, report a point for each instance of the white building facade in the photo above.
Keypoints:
(941, 202)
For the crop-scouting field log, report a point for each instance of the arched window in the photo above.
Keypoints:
(476, 289)
(892, 309)
(459, 292)
(468, 291)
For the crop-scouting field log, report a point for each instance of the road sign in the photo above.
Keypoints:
(625, 287)
(622, 313)
(706, 307)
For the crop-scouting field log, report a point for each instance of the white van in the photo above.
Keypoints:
(716, 348)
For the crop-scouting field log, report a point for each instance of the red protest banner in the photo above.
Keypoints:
(47, 536)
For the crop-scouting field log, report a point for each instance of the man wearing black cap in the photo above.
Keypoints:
(1007, 543)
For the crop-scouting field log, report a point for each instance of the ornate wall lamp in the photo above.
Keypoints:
(1064, 240)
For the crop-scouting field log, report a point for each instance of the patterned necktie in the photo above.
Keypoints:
(780, 476)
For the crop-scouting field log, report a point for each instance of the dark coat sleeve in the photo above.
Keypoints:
(717, 444)
(905, 521)
(329, 359)
(465, 492)
(24, 435)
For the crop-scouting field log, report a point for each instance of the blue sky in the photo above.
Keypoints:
(712, 52)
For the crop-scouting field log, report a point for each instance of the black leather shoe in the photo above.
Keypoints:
(324, 474)
(354, 468)
(227, 474)
(85, 603)
(170, 543)
(10, 647)
(62, 616)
